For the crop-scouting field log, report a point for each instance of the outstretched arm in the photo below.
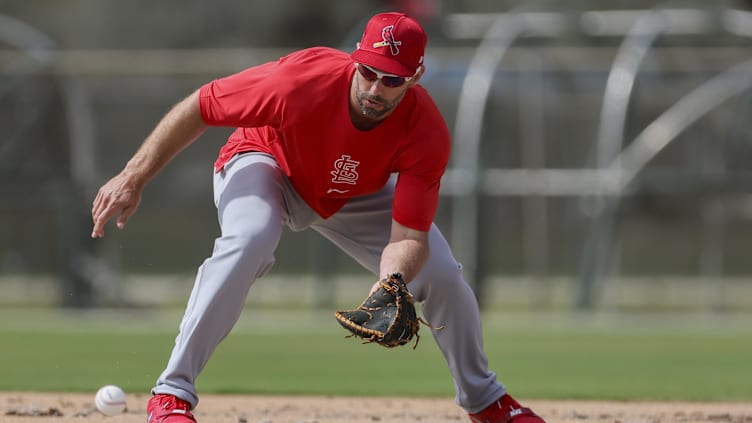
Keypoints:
(181, 126)
(406, 252)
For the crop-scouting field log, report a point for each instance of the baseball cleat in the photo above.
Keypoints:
(505, 410)
(165, 408)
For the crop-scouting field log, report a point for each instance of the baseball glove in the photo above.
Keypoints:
(387, 317)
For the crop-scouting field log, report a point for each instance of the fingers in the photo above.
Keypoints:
(97, 231)
(123, 218)
(108, 203)
(100, 220)
(96, 216)
(101, 214)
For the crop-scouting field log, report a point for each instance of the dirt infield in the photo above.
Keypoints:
(27, 407)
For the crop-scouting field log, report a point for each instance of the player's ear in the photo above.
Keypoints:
(417, 76)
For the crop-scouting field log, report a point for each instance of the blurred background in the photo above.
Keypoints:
(600, 161)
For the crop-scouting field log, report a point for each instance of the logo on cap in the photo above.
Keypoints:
(387, 39)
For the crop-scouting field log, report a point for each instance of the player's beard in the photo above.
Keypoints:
(370, 112)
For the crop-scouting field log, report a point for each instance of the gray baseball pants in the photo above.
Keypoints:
(254, 200)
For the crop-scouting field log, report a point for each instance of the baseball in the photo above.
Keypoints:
(110, 400)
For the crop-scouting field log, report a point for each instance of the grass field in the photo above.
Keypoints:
(547, 356)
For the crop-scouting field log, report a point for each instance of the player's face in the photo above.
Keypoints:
(376, 94)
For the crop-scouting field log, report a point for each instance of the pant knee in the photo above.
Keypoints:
(438, 282)
(251, 251)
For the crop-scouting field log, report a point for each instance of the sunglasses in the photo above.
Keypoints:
(388, 80)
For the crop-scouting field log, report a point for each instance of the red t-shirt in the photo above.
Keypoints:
(297, 110)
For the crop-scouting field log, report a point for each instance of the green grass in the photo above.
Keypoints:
(570, 360)
(627, 366)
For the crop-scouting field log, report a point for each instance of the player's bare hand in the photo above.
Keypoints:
(118, 195)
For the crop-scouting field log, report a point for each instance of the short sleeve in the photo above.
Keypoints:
(249, 98)
(420, 168)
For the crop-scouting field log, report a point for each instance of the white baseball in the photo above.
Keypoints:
(110, 400)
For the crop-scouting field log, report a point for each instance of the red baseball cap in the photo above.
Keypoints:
(392, 43)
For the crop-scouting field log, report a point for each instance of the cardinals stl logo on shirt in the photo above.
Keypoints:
(344, 171)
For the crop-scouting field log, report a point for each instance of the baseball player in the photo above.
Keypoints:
(348, 145)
